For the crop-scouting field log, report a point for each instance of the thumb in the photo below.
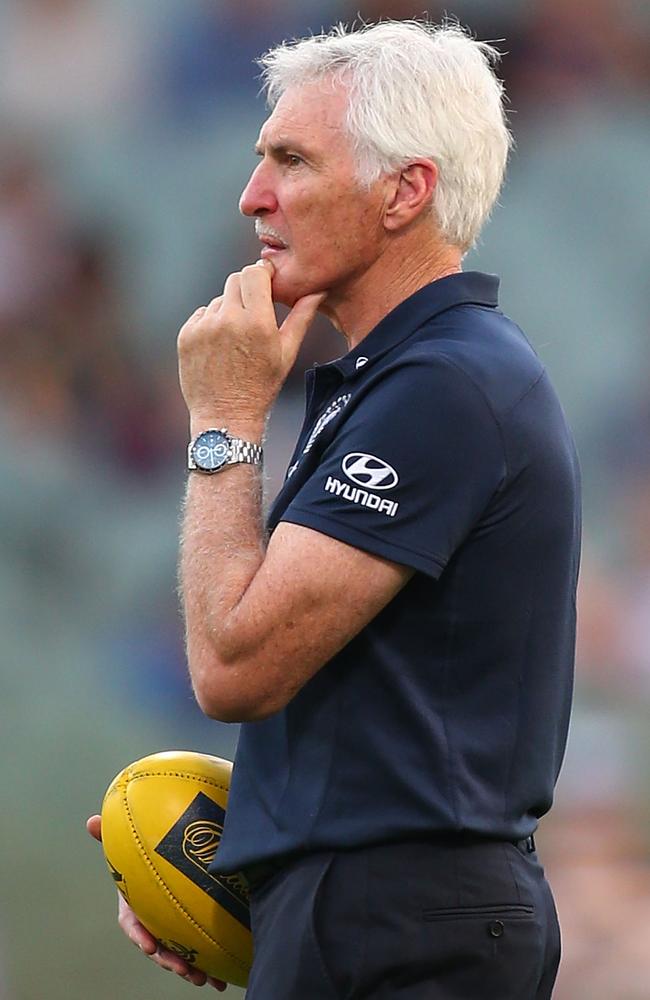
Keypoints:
(94, 827)
(295, 326)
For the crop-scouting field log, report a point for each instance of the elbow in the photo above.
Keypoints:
(228, 709)
(221, 712)
(223, 694)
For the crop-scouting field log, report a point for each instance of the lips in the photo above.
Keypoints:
(272, 243)
(272, 247)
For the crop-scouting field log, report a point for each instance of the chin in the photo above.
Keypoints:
(284, 293)
(287, 292)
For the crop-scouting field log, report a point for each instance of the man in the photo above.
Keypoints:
(399, 642)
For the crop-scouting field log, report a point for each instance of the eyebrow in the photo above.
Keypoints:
(280, 149)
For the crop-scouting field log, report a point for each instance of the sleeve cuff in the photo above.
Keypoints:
(428, 564)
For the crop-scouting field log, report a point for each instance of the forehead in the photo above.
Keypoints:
(312, 115)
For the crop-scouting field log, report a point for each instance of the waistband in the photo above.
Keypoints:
(257, 874)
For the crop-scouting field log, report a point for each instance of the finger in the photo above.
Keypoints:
(174, 963)
(267, 264)
(134, 930)
(196, 315)
(256, 289)
(148, 944)
(297, 323)
(196, 977)
(94, 827)
(232, 290)
(218, 984)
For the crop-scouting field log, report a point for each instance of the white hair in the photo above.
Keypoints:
(415, 90)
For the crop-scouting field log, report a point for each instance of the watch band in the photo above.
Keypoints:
(245, 451)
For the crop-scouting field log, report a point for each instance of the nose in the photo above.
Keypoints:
(258, 198)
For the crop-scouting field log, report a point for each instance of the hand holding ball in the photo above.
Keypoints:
(162, 820)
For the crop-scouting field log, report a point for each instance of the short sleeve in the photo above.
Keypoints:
(411, 468)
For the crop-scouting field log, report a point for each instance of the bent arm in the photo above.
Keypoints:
(260, 622)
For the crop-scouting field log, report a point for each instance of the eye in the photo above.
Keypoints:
(293, 160)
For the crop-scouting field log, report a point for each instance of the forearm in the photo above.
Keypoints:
(222, 547)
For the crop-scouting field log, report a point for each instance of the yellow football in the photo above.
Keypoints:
(162, 820)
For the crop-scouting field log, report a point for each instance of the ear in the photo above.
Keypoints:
(416, 185)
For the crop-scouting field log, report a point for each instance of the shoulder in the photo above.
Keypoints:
(470, 351)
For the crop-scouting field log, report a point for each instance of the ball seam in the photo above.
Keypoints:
(157, 875)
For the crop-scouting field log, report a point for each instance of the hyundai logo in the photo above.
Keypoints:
(367, 470)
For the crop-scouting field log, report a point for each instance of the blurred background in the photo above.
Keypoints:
(126, 134)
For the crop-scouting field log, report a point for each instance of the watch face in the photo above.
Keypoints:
(210, 450)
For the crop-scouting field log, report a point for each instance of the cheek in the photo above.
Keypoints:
(331, 227)
(355, 232)
(338, 222)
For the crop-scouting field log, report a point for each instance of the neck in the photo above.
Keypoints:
(397, 273)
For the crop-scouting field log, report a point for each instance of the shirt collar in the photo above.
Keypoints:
(465, 288)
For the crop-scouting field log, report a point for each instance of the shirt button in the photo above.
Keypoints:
(495, 928)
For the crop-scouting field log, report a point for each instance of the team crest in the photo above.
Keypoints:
(326, 417)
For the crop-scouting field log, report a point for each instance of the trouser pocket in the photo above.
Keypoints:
(510, 910)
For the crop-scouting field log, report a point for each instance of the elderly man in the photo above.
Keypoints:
(398, 641)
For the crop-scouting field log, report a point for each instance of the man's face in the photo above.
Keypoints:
(318, 226)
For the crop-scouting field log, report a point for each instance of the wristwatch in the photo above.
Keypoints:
(214, 449)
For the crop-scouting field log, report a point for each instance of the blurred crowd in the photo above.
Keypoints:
(126, 134)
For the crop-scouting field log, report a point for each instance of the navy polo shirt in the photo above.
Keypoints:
(437, 443)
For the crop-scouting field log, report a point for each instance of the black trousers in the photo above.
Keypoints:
(409, 921)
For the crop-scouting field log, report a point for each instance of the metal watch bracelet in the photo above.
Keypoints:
(245, 451)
